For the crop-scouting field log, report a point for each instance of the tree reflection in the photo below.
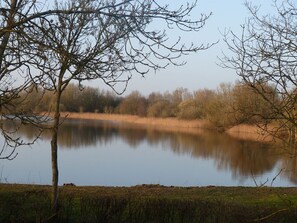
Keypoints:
(243, 158)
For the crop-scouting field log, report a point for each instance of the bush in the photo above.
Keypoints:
(188, 109)
(160, 109)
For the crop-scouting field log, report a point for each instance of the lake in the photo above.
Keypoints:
(115, 154)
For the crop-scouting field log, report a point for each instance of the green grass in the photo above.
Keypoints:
(149, 204)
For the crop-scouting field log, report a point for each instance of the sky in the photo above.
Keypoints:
(202, 70)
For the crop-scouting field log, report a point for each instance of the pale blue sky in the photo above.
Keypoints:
(201, 70)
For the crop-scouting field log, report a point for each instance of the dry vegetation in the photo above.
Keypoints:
(160, 122)
(235, 109)
(243, 131)
(250, 132)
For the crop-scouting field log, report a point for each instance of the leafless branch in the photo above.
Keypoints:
(265, 55)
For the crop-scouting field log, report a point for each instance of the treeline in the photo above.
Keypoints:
(228, 105)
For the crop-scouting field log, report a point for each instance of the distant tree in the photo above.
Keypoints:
(154, 97)
(71, 97)
(110, 42)
(107, 102)
(178, 96)
(249, 106)
(203, 99)
(88, 100)
(133, 104)
(219, 110)
(161, 109)
(188, 109)
(159, 105)
(264, 54)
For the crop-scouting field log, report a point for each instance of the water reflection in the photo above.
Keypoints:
(242, 158)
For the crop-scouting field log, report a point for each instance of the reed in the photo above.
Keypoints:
(160, 122)
(250, 132)
(243, 131)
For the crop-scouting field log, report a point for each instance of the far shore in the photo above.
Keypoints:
(243, 131)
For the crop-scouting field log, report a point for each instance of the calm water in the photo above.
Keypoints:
(113, 154)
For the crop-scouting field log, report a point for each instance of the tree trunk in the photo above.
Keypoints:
(54, 153)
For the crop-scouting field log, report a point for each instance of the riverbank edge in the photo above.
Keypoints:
(149, 203)
(242, 131)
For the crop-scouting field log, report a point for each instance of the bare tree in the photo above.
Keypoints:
(84, 40)
(17, 60)
(121, 39)
(264, 57)
(14, 62)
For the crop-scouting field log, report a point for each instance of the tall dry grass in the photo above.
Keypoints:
(251, 132)
(159, 122)
(248, 132)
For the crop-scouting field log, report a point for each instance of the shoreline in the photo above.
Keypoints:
(133, 119)
(243, 131)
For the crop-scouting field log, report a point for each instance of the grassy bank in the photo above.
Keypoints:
(149, 203)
